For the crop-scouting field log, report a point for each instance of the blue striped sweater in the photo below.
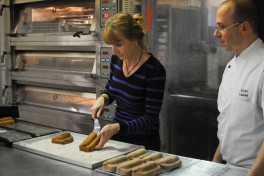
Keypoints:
(138, 97)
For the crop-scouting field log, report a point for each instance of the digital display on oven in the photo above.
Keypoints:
(108, 1)
(108, 9)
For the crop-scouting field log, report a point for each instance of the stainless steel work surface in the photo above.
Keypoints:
(233, 171)
(207, 168)
(70, 152)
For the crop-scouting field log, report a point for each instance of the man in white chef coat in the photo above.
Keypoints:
(241, 93)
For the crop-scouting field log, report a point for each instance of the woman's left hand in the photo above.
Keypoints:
(106, 133)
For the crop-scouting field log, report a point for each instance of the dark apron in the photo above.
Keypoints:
(150, 141)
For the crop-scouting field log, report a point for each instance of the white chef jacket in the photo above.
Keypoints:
(240, 103)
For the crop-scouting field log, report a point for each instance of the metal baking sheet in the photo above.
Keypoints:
(186, 162)
(13, 136)
(31, 128)
(233, 171)
(70, 153)
(3, 130)
(201, 168)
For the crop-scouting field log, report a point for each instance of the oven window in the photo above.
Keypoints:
(56, 98)
(55, 19)
(73, 62)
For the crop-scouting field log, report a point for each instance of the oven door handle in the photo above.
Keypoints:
(2, 6)
(78, 33)
(3, 55)
(4, 87)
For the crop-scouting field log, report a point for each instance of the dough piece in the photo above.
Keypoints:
(7, 121)
(139, 153)
(147, 169)
(63, 138)
(90, 142)
(126, 167)
(111, 164)
(152, 157)
(169, 163)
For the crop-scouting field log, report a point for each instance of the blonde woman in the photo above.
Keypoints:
(136, 83)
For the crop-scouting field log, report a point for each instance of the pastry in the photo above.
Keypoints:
(7, 121)
(63, 138)
(170, 162)
(152, 157)
(147, 169)
(139, 153)
(126, 167)
(90, 142)
(111, 164)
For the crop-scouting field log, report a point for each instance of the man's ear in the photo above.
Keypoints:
(246, 26)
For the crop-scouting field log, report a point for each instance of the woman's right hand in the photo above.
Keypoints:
(98, 107)
(106, 133)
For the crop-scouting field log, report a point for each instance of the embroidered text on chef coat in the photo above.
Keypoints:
(243, 93)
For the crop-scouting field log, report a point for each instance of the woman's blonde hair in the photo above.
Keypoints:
(131, 27)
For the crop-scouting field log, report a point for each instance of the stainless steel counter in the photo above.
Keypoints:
(21, 163)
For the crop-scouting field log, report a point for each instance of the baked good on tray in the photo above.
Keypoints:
(126, 167)
(7, 121)
(150, 168)
(169, 162)
(152, 157)
(139, 153)
(63, 138)
(90, 142)
(111, 164)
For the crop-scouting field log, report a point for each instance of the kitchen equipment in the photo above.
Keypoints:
(97, 126)
(31, 128)
(11, 136)
(70, 153)
(2, 130)
(53, 59)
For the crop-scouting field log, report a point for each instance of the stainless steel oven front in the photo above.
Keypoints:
(53, 60)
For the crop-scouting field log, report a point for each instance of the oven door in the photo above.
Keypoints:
(54, 22)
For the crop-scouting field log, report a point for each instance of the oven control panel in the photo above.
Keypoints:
(105, 57)
(108, 9)
(109, 112)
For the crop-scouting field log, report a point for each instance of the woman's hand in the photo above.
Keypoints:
(106, 133)
(98, 107)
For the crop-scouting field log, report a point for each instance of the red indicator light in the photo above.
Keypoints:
(105, 52)
(105, 1)
(105, 67)
(106, 110)
(105, 15)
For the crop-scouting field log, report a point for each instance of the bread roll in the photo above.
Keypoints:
(169, 162)
(111, 164)
(90, 142)
(139, 153)
(7, 121)
(63, 138)
(126, 167)
(147, 169)
(152, 157)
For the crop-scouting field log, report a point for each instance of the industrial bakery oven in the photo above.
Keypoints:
(53, 60)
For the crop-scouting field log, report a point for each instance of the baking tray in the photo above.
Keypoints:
(11, 136)
(186, 162)
(70, 153)
(201, 168)
(233, 171)
(32, 129)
